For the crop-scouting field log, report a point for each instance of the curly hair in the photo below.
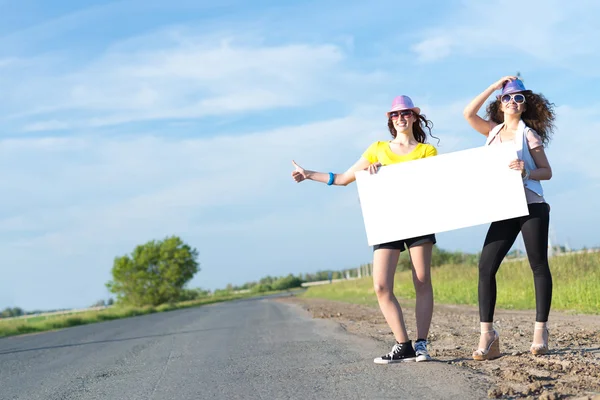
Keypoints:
(538, 115)
(418, 128)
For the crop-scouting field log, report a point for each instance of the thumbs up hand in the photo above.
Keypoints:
(298, 174)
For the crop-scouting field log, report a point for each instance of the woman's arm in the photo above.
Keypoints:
(543, 171)
(300, 174)
(470, 112)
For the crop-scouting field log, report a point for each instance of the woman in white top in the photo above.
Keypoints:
(527, 119)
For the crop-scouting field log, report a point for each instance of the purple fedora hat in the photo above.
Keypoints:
(403, 103)
(513, 87)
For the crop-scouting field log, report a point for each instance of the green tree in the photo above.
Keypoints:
(155, 273)
(12, 312)
(17, 312)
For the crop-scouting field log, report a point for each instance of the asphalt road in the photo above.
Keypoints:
(248, 349)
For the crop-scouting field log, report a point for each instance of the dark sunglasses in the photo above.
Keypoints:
(518, 98)
(403, 113)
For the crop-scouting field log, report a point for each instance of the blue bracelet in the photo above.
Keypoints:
(331, 178)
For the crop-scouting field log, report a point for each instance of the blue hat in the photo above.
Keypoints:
(513, 87)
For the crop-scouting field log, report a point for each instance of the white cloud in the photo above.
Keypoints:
(433, 49)
(545, 30)
(49, 125)
(572, 149)
(180, 76)
(195, 171)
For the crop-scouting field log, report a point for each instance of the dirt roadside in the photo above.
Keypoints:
(571, 370)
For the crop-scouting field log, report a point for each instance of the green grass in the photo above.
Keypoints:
(576, 285)
(18, 326)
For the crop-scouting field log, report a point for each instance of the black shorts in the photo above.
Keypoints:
(399, 244)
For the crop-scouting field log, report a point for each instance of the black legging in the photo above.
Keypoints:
(499, 240)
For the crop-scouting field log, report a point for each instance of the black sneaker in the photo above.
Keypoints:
(401, 352)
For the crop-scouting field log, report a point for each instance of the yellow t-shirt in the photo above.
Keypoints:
(381, 152)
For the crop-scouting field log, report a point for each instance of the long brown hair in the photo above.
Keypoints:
(419, 127)
(538, 115)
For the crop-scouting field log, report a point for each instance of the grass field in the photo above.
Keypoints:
(576, 285)
(18, 326)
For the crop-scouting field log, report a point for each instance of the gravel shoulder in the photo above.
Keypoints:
(570, 370)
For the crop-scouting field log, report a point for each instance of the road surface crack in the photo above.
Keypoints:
(162, 373)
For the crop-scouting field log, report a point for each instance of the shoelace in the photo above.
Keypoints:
(395, 350)
(420, 346)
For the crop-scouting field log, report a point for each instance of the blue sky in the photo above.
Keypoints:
(122, 122)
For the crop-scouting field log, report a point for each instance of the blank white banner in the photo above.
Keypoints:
(441, 193)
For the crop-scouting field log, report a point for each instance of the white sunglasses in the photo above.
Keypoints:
(517, 97)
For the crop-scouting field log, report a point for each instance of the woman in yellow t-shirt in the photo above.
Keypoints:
(407, 126)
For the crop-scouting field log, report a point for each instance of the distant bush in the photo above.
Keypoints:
(11, 312)
(193, 294)
(288, 282)
(261, 288)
